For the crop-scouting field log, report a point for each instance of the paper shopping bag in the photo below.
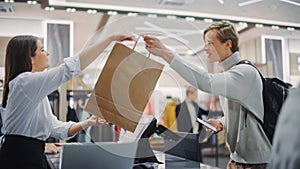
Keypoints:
(124, 87)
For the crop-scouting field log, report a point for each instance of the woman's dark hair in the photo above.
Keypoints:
(18, 55)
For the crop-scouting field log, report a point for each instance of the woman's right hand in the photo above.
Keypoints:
(121, 37)
(96, 45)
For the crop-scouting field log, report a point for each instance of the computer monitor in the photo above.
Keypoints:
(188, 147)
(107, 155)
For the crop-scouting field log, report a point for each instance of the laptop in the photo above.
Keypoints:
(100, 155)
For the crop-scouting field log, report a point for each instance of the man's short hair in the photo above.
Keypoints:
(225, 31)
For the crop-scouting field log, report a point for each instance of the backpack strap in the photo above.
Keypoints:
(287, 85)
(262, 78)
(249, 63)
(278, 81)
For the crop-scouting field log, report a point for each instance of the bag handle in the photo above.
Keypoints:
(148, 56)
(150, 33)
(159, 33)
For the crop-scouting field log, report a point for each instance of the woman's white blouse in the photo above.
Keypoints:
(28, 111)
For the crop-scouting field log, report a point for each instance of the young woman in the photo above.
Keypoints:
(27, 117)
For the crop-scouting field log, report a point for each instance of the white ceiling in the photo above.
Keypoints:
(180, 31)
(285, 12)
(179, 34)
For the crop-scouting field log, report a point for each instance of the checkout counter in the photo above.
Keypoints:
(168, 162)
(154, 154)
(178, 150)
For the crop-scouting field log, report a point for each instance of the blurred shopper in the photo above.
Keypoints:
(239, 88)
(286, 142)
(170, 114)
(188, 111)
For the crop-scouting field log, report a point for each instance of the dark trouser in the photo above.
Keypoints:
(235, 165)
(20, 152)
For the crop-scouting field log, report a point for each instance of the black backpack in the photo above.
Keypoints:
(274, 94)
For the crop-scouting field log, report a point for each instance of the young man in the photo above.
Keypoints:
(239, 88)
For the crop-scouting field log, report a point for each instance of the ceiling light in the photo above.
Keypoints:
(112, 13)
(171, 17)
(152, 15)
(91, 11)
(290, 29)
(243, 24)
(32, 2)
(275, 27)
(224, 20)
(71, 10)
(190, 18)
(49, 8)
(291, 2)
(248, 2)
(208, 20)
(9, 1)
(258, 25)
(221, 1)
(132, 14)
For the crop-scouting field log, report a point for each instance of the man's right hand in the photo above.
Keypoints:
(156, 47)
(215, 123)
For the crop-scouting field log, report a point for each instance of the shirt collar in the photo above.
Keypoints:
(230, 61)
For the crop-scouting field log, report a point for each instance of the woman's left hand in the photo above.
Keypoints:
(50, 148)
(95, 121)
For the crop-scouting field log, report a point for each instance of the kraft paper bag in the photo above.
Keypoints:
(124, 87)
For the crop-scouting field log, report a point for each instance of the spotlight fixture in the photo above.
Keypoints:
(258, 25)
(49, 8)
(112, 13)
(152, 15)
(71, 10)
(32, 2)
(9, 1)
(208, 20)
(91, 11)
(171, 17)
(188, 18)
(243, 24)
(132, 14)
(275, 27)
